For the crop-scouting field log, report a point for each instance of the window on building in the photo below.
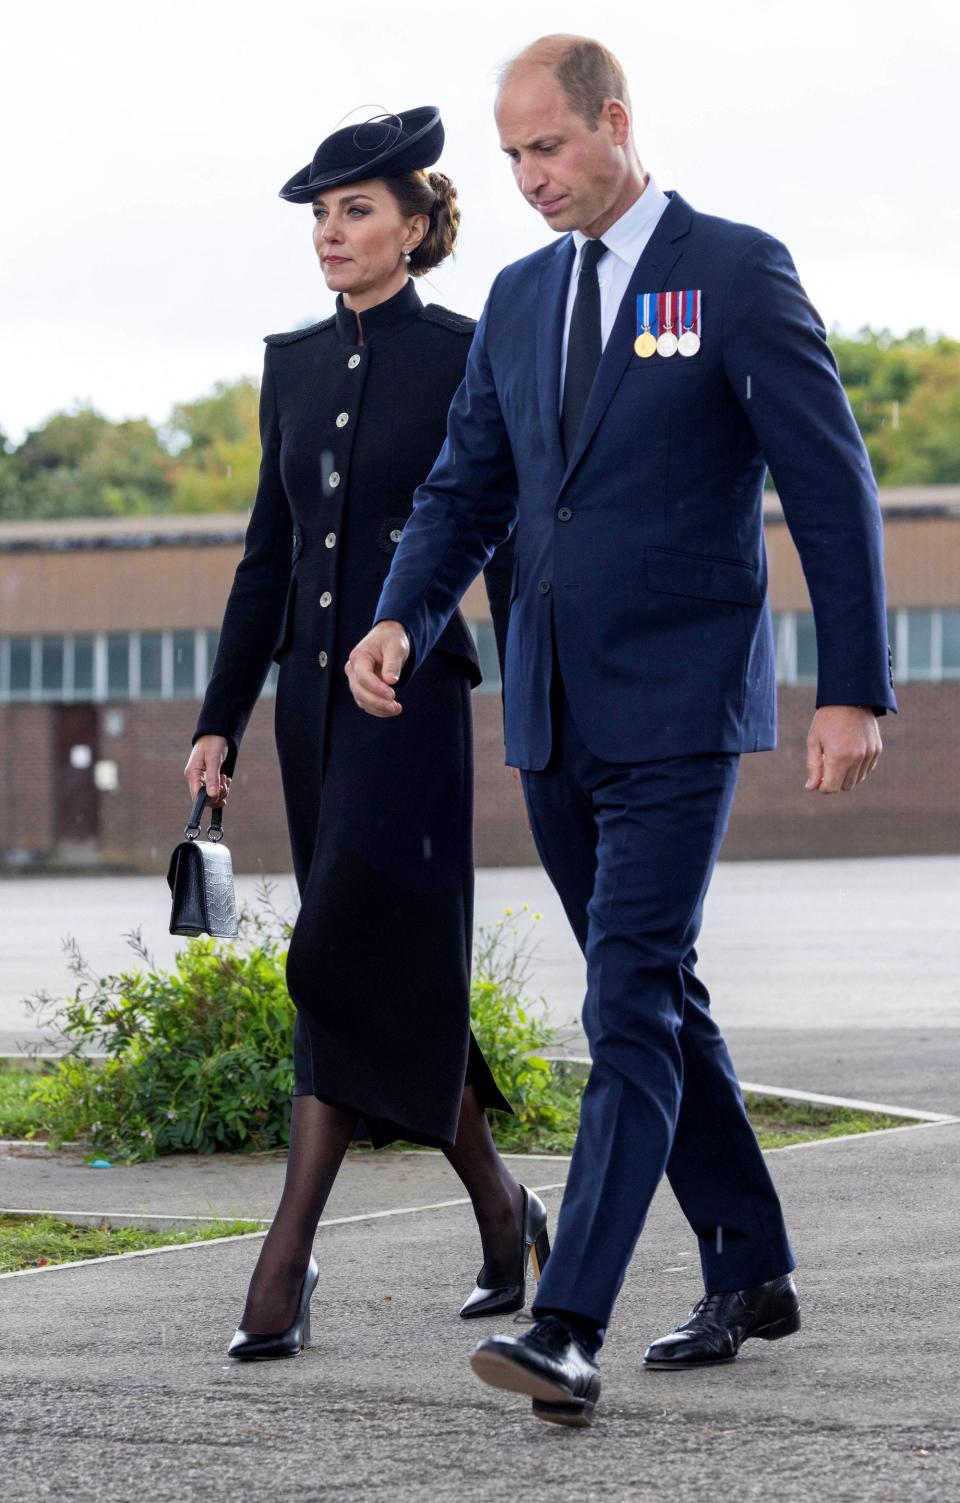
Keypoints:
(486, 641)
(950, 644)
(118, 666)
(783, 640)
(151, 665)
(184, 664)
(83, 667)
(51, 668)
(21, 655)
(213, 639)
(806, 649)
(920, 662)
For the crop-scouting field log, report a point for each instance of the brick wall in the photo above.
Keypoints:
(26, 779)
(910, 805)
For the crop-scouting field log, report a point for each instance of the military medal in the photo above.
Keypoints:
(689, 341)
(667, 343)
(645, 343)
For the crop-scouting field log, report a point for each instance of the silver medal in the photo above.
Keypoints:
(688, 343)
(667, 344)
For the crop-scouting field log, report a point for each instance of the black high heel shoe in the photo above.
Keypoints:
(535, 1246)
(247, 1346)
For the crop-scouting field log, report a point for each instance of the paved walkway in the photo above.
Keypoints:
(113, 1383)
(834, 977)
(807, 945)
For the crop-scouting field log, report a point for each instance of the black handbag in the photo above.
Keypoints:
(200, 878)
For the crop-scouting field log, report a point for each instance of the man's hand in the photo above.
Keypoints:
(843, 747)
(375, 665)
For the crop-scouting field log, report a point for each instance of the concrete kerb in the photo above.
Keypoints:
(147, 1252)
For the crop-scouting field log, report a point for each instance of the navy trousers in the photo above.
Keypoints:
(630, 850)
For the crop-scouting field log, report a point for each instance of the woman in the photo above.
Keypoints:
(353, 413)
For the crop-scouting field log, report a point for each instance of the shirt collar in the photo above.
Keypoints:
(628, 235)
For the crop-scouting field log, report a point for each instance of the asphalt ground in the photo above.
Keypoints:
(114, 1384)
(831, 977)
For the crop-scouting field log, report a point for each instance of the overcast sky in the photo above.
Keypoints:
(145, 252)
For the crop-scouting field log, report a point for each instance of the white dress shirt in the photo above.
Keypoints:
(626, 240)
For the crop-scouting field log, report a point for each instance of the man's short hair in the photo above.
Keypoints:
(588, 72)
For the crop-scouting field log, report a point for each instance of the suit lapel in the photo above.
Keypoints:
(553, 287)
(659, 257)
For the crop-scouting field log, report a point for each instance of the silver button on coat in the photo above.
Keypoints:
(334, 479)
(353, 362)
(343, 419)
(330, 540)
(325, 599)
(322, 659)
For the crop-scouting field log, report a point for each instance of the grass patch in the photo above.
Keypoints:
(778, 1122)
(20, 1117)
(39, 1241)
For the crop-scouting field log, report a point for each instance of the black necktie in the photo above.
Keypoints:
(583, 345)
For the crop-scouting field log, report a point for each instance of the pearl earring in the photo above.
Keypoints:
(406, 257)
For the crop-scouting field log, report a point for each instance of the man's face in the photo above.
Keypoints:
(572, 175)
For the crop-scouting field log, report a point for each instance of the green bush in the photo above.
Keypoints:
(200, 1057)
(513, 1037)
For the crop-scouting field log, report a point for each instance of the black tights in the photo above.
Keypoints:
(319, 1138)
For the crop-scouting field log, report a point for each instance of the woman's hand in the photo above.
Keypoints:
(203, 770)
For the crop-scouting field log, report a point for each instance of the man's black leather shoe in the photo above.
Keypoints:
(720, 1324)
(548, 1363)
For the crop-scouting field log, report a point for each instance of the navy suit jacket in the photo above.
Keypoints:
(640, 560)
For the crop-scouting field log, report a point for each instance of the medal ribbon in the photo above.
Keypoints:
(665, 311)
(643, 313)
(691, 316)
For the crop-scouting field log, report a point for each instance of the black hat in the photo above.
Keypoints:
(386, 146)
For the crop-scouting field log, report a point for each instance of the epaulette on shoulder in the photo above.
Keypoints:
(292, 335)
(458, 322)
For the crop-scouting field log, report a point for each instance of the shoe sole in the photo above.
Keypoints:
(268, 1357)
(501, 1372)
(480, 1313)
(578, 1416)
(788, 1325)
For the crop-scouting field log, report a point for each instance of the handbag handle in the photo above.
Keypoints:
(192, 828)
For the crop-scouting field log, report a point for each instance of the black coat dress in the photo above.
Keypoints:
(380, 812)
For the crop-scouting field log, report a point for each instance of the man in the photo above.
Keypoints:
(626, 390)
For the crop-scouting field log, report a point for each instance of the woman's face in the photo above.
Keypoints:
(361, 237)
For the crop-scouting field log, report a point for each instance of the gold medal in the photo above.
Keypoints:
(645, 343)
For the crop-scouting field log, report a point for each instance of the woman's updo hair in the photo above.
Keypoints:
(433, 194)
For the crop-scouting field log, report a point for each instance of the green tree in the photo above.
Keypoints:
(81, 464)
(905, 394)
(217, 443)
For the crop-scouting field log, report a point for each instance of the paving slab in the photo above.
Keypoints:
(113, 1383)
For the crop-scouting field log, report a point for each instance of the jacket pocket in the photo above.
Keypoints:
(670, 573)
